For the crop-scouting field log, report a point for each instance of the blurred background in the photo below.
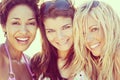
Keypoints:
(36, 45)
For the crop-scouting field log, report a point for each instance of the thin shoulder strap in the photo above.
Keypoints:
(10, 66)
(28, 67)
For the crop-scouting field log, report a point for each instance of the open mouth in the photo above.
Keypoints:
(94, 46)
(22, 40)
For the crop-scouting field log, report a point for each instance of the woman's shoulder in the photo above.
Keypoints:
(117, 55)
(117, 64)
(1, 52)
(1, 59)
(2, 56)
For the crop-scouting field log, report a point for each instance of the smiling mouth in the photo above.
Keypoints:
(94, 46)
(22, 40)
(62, 43)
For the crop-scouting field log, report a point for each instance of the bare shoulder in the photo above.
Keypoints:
(1, 55)
(117, 64)
(3, 67)
(3, 59)
(117, 55)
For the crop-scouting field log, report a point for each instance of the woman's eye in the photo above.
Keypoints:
(15, 23)
(32, 23)
(50, 31)
(94, 29)
(67, 27)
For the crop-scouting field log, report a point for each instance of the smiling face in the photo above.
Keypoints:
(59, 32)
(94, 36)
(21, 27)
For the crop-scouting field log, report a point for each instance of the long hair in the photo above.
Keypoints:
(47, 60)
(110, 23)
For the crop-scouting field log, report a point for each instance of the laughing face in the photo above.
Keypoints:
(94, 36)
(59, 32)
(21, 27)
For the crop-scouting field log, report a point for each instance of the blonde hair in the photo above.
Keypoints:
(110, 23)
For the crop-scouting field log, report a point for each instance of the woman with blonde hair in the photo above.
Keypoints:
(97, 40)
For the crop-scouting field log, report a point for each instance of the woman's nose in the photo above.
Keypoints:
(59, 35)
(89, 38)
(23, 29)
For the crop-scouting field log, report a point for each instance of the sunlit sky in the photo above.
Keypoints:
(36, 45)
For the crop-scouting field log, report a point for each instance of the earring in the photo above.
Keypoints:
(5, 34)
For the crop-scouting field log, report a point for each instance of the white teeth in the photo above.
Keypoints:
(93, 46)
(22, 39)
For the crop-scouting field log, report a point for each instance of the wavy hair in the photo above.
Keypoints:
(110, 22)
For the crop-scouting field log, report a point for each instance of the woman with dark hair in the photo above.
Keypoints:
(57, 61)
(19, 20)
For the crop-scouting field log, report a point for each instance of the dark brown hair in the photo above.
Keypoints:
(7, 5)
(46, 62)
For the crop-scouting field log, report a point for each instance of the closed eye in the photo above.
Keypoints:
(66, 27)
(15, 23)
(32, 23)
(50, 31)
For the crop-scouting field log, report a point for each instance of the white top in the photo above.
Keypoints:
(79, 76)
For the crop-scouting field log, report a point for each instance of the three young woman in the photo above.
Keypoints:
(92, 48)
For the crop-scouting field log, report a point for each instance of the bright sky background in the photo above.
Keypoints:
(36, 45)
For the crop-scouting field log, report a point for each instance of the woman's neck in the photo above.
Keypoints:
(14, 54)
(64, 72)
(62, 54)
